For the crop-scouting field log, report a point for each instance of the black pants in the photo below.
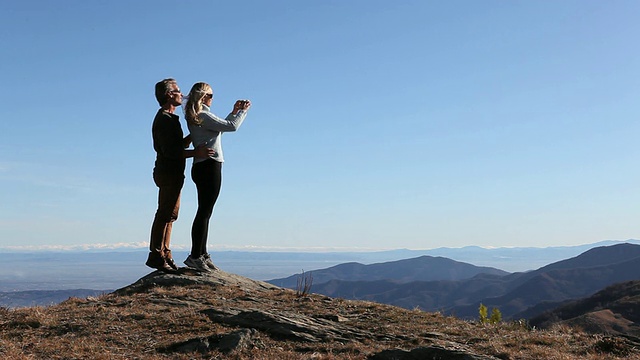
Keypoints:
(207, 175)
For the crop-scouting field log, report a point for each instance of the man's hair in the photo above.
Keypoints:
(162, 88)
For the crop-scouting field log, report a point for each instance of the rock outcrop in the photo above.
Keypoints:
(281, 324)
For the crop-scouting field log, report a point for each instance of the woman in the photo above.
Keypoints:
(206, 129)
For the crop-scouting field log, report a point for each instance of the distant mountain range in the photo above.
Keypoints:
(419, 284)
(512, 294)
(423, 268)
(512, 259)
(565, 280)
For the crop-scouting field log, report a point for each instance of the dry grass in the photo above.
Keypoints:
(137, 326)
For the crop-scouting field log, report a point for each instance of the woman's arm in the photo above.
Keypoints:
(212, 122)
(231, 123)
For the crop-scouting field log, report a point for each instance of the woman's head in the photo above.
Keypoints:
(201, 93)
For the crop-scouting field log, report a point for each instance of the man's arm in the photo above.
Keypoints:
(199, 152)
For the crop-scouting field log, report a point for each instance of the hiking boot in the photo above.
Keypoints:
(157, 262)
(169, 259)
(171, 263)
(206, 258)
(197, 263)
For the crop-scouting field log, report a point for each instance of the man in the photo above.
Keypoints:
(168, 173)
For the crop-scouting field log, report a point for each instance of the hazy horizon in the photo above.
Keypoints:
(112, 269)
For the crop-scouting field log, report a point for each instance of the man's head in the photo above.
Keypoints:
(168, 92)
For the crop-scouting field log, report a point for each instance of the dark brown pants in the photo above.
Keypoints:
(167, 213)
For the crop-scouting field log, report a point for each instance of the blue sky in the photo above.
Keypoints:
(374, 125)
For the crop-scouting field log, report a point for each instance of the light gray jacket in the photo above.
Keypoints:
(209, 133)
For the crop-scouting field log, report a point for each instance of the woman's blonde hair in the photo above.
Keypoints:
(194, 104)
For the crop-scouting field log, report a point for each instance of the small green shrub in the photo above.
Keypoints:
(496, 315)
(484, 312)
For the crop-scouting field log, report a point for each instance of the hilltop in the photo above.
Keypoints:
(613, 310)
(222, 315)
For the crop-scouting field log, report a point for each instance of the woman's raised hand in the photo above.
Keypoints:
(241, 105)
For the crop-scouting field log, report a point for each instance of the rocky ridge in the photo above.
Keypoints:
(282, 324)
(190, 315)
